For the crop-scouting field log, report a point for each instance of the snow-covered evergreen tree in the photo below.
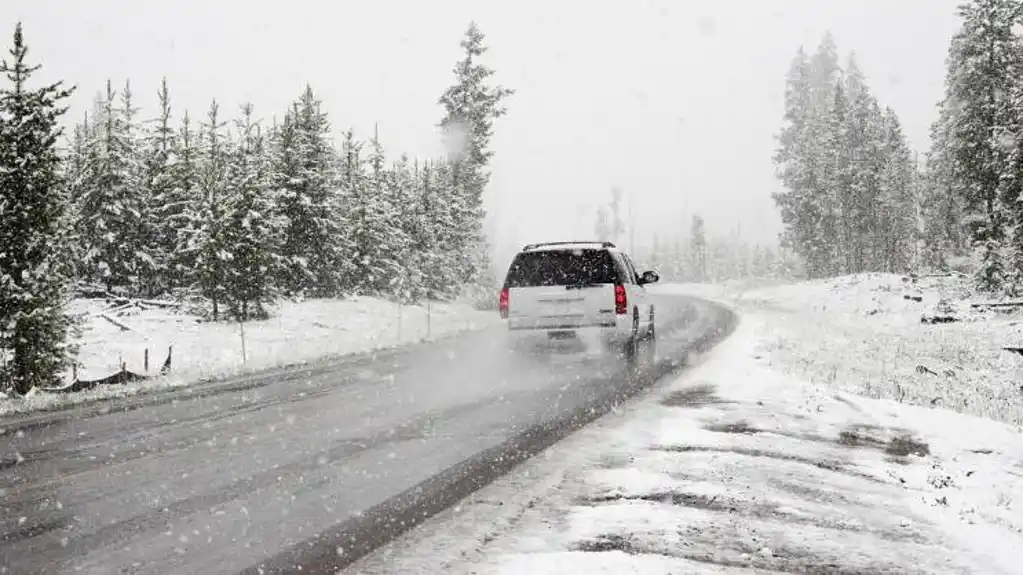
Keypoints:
(75, 176)
(252, 232)
(210, 241)
(471, 105)
(144, 235)
(943, 217)
(163, 217)
(307, 198)
(983, 63)
(368, 216)
(401, 197)
(445, 278)
(181, 210)
(796, 160)
(382, 259)
(836, 199)
(34, 328)
(430, 232)
(897, 201)
(864, 135)
(848, 203)
(109, 222)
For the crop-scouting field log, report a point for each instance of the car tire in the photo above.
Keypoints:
(632, 344)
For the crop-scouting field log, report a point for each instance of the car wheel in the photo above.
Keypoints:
(632, 344)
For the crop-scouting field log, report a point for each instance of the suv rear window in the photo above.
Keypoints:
(561, 268)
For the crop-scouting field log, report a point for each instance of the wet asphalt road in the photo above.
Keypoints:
(312, 466)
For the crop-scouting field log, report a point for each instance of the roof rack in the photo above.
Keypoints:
(534, 246)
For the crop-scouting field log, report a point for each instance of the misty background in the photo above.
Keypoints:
(677, 103)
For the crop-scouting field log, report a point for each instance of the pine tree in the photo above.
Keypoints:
(943, 216)
(251, 233)
(897, 226)
(796, 158)
(34, 328)
(837, 198)
(863, 141)
(445, 277)
(381, 261)
(825, 240)
(848, 203)
(295, 277)
(109, 207)
(983, 60)
(402, 201)
(432, 224)
(308, 200)
(471, 105)
(165, 210)
(1011, 143)
(75, 175)
(368, 217)
(181, 211)
(210, 240)
(143, 229)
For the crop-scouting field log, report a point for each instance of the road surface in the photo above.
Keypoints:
(310, 467)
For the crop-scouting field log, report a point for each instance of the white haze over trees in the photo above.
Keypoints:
(856, 200)
(228, 213)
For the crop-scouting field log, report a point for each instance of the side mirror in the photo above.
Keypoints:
(649, 277)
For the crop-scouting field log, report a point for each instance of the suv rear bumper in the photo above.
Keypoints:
(560, 324)
(617, 324)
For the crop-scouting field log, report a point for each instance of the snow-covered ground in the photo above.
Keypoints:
(298, 332)
(762, 458)
(863, 334)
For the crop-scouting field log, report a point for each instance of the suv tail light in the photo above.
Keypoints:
(621, 301)
(502, 303)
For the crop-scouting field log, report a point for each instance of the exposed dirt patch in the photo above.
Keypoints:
(898, 443)
(709, 503)
(826, 464)
(906, 445)
(609, 542)
(741, 556)
(741, 427)
(694, 396)
(861, 435)
(762, 509)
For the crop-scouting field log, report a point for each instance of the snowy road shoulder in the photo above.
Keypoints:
(737, 466)
(298, 333)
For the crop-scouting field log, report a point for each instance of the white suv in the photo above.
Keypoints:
(565, 287)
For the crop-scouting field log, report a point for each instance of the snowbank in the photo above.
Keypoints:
(298, 332)
(863, 334)
(758, 460)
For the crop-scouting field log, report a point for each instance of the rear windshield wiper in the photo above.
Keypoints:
(581, 285)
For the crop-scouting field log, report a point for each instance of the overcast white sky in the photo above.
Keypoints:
(677, 102)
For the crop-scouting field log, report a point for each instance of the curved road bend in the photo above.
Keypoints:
(310, 467)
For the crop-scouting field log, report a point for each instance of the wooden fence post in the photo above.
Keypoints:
(241, 328)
